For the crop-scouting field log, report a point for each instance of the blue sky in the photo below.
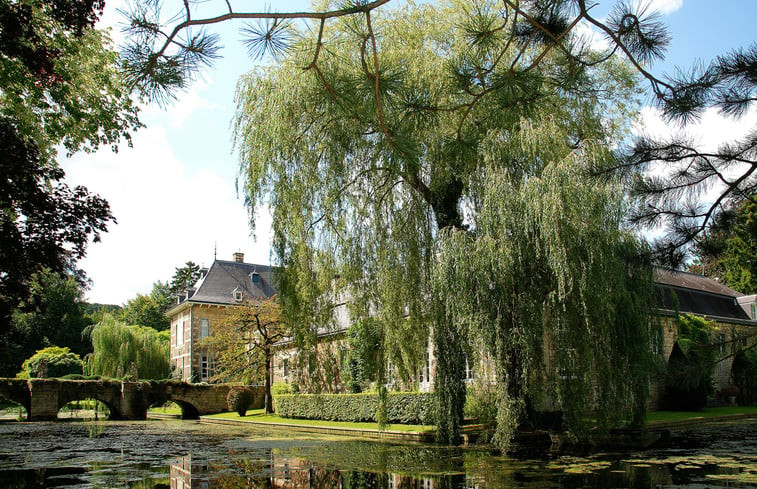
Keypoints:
(174, 192)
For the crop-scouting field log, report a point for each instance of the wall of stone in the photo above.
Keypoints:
(187, 356)
(729, 337)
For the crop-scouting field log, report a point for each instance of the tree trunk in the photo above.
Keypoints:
(268, 397)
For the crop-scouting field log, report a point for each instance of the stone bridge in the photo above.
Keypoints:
(43, 398)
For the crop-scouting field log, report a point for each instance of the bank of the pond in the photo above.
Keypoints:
(419, 433)
(674, 420)
(657, 421)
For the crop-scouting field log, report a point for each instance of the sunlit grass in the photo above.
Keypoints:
(167, 408)
(666, 416)
(258, 416)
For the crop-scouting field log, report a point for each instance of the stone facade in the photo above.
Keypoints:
(221, 288)
(730, 336)
(188, 327)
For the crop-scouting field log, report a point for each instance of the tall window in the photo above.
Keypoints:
(204, 328)
(425, 375)
(180, 331)
(470, 374)
(207, 367)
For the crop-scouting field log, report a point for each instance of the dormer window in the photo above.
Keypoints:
(255, 276)
(238, 295)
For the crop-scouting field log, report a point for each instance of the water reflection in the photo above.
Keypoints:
(187, 455)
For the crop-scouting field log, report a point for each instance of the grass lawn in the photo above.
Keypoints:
(167, 408)
(258, 416)
(665, 416)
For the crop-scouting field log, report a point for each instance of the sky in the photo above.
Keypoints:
(174, 192)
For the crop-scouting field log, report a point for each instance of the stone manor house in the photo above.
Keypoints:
(227, 284)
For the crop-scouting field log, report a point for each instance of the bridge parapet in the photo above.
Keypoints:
(43, 398)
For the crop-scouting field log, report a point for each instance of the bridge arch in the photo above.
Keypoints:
(17, 392)
(188, 410)
(108, 393)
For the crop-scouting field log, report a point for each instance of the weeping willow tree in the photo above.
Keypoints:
(132, 352)
(428, 172)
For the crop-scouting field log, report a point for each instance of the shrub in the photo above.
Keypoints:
(239, 399)
(481, 405)
(51, 362)
(279, 388)
(401, 407)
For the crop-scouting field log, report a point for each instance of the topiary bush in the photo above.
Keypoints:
(401, 407)
(239, 399)
(51, 362)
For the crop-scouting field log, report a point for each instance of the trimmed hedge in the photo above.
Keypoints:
(401, 407)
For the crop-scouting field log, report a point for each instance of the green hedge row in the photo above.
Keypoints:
(401, 407)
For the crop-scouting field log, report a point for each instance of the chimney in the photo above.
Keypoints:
(238, 257)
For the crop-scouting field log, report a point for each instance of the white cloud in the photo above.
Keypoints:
(187, 103)
(592, 36)
(664, 7)
(166, 216)
(710, 130)
(708, 133)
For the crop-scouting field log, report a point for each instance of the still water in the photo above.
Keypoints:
(186, 454)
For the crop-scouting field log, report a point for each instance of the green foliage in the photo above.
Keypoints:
(744, 373)
(727, 251)
(279, 388)
(183, 278)
(128, 352)
(51, 362)
(445, 184)
(61, 89)
(52, 314)
(240, 399)
(360, 363)
(83, 105)
(149, 310)
(481, 406)
(401, 407)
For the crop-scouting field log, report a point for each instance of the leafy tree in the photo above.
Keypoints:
(184, 277)
(51, 362)
(166, 53)
(95, 311)
(149, 310)
(243, 343)
(728, 251)
(52, 314)
(60, 80)
(61, 87)
(361, 362)
(403, 150)
(128, 352)
(43, 222)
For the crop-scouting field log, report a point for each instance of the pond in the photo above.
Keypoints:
(187, 454)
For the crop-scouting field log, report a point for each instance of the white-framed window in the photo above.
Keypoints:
(204, 328)
(207, 367)
(180, 331)
(425, 374)
(238, 295)
(470, 373)
(754, 310)
(285, 367)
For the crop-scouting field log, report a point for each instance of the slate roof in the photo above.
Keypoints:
(696, 294)
(225, 277)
